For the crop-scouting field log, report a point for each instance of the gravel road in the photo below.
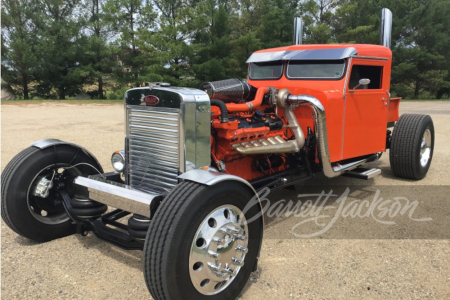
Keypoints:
(290, 268)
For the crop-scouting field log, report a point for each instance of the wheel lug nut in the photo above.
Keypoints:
(217, 240)
(223, 231)
(241, 248)
(237, 261)
(232, 230)
(239, 236)
(213, 254)
(214, 267)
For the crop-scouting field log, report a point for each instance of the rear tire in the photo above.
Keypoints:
(33, 217)
(412, 146)
(176, 225)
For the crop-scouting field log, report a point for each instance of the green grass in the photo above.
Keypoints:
(60, 101)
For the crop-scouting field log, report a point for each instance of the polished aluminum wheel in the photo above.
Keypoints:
(218, 250)
(425, 148)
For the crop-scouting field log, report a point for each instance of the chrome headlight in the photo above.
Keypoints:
(118, 161)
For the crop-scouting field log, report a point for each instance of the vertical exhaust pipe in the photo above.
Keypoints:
(386, 28)
(298, 31)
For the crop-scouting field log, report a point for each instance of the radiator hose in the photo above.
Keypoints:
(223, 109)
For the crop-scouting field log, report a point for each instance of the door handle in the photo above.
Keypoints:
(386, 100)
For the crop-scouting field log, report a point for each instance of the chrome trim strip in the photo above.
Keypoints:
(349, 70)
(309, 54)
(118, 195)
(370, 57)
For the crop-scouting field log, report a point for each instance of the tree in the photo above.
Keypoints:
(129, 19)
(420, 40)
(318, 19)
(98, 55)
(172, 39)
(59, 48)
(18, 42)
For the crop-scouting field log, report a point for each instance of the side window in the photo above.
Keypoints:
(374, 73)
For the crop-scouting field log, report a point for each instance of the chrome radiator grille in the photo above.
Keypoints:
(153, 147)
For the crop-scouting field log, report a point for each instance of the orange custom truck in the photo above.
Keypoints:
(194, 159)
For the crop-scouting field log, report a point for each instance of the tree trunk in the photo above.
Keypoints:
(62, 94)
(25, 87)
(416, 90)
(100, 87)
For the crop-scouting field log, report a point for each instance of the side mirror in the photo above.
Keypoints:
(363, 81)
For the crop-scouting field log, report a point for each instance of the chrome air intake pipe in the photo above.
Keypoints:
(288, 101)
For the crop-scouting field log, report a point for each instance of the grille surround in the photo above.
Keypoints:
(154, 147)
(188, 110)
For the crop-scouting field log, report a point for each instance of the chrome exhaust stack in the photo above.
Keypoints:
(386, 28)
(298, 31)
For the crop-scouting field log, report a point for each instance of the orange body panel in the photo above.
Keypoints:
(356, 126)
(366, 115)
(393, 109)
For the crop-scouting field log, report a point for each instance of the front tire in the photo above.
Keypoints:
(180, 264)
(412, 146)
(37, 218)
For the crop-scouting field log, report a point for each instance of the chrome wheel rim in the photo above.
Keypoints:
(218, 250)
(37, 206)
(425, 148)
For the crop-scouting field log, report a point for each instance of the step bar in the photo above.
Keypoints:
(362, 173)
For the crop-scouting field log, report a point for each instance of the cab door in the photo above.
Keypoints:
(366, 108)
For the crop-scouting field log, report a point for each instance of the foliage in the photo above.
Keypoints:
(57, 48)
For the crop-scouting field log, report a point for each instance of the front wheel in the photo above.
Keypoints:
(200, 245)
(30, 204)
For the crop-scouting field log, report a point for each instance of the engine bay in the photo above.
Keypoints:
(252, 143)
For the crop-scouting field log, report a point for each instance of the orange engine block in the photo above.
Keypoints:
(247, 127)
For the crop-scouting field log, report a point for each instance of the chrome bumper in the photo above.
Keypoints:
(118, 195)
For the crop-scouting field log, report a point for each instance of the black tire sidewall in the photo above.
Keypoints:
(215, 196)
(16, 199)
(419, 170)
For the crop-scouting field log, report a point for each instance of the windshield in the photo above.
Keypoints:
(313, 69)
(266, 70)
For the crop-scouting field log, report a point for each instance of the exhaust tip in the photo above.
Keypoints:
(386, 28)
(298, 31)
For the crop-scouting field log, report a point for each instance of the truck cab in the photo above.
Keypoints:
(357, 115)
